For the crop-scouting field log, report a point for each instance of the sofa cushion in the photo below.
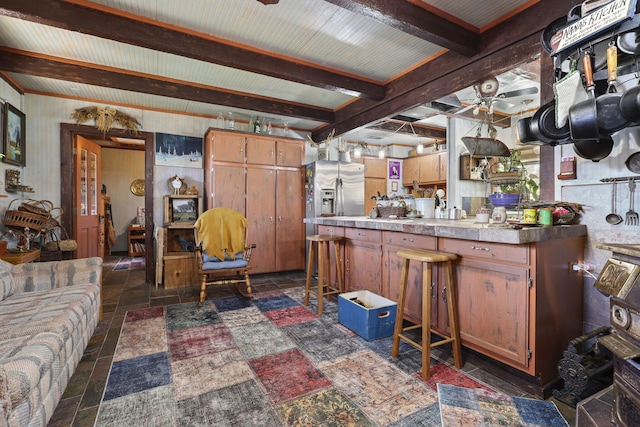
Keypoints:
(5, 397)
(7, 285)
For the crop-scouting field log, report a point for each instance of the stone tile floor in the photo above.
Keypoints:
(125, 290)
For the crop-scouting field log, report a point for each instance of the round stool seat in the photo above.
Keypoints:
(424, 255)
(323, 238)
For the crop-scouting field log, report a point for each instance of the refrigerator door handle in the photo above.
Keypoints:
(339, 197)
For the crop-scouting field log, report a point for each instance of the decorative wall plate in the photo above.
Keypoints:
(137, 187)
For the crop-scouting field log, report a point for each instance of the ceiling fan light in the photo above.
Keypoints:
(476, 110)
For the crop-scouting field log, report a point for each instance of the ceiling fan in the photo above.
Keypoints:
(487, 96)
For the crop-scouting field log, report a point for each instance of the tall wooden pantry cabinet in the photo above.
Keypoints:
(262, 177)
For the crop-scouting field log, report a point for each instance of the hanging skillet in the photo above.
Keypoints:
(594, 150)
(583, 119)
(544, 123)
(609, 115)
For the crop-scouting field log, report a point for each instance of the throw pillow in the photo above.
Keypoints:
(7, 285)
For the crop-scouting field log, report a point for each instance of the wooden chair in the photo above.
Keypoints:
(222, 251)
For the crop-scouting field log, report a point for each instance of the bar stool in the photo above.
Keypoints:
(427, 258)
(324, 261)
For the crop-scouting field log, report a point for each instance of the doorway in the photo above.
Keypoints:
(68, 134)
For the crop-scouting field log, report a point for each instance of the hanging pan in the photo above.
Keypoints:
(583, 119)
(543, 125)
(633, 162)
(594, 150)
(609, 115)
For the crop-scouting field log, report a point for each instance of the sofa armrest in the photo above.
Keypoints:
(40, 276)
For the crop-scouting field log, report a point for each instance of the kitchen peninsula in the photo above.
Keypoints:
(519, 301)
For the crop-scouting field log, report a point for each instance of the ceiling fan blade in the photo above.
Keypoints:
(520, 92)
(467, 108)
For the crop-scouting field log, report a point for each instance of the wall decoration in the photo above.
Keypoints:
(394, 170)
(104, 118)
(177, 150)
(137, 187)
(13, 134)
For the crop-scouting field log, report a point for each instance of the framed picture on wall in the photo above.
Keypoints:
(14, 146)
(394, 170)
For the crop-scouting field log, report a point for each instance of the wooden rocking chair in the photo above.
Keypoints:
(222, 251)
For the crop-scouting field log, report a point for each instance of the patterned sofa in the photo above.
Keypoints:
(48, 313)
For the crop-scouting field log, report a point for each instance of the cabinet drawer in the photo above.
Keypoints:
(413, 241)
(487, 250)
(363, 235)
(331, 230)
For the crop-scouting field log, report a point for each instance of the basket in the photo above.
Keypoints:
(23, 219)
(38, 207)
(63, 244)
(388, 211)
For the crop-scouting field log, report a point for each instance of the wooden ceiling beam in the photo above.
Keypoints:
(161, 37)
(513, 42)
(56, 68)
(418, 22)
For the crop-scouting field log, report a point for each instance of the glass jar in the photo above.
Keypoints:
(499, 215)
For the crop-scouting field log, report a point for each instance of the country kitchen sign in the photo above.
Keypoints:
(592, 24)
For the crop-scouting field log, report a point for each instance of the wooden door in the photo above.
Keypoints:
(493, 309)
(87, 189)
(410, 170)
(226, 147)
(228, 187)
(429, 168)
(261, 151)
(261, 215)
(290, 153)
(290, 248)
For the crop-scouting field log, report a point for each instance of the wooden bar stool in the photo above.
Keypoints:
(427, 258)
(324, 261)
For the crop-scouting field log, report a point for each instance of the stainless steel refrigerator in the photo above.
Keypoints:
(334, 188)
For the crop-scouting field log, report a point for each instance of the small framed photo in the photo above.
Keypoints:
(184, 210)
(394, 170)
(13, 136)
(394, 185)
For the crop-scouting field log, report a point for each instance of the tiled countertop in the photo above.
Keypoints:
(456, 229)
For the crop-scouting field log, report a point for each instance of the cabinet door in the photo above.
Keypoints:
(371, 188)
(410, 170)
(430, 168)
(290, 153)
(228, 188)
(375, 167)
(226, 147)
(443, 160)
(363, 260)
(290, 249)
(261, 151)
(392, 243)
(493, 309)
(261, 211)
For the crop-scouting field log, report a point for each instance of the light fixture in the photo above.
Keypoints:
(420, 148)
(357, 153)
(381, 153)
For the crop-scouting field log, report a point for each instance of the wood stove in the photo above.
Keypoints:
(620, 278)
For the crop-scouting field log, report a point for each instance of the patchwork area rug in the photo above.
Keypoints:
(462, 407)
(136, 263)
(265, 362)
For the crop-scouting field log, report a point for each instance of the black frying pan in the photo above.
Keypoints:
(609, 114)
(583, 117)
(594, 150)
(543, 124)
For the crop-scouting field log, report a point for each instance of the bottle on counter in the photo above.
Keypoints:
(231, 122)
(256, 125)
(499, 215)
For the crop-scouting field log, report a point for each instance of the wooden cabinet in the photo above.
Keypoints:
(426, 169)
(135, 237)
(375, 167)
(267, 187)
(226, 147)
(363, 260)
(375, 180)
(392, 243)
(519, 304)
(176, 264)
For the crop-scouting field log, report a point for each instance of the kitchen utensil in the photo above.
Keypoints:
(633, 162)
(629, 42)
(543, 125)
(524, 131)
(583, 119)
(613, 218)
(631, 218)
(610, 118)
(594, 150)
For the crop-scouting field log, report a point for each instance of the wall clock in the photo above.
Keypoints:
(137, 187)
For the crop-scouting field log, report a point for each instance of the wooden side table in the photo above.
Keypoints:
(15, 257)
